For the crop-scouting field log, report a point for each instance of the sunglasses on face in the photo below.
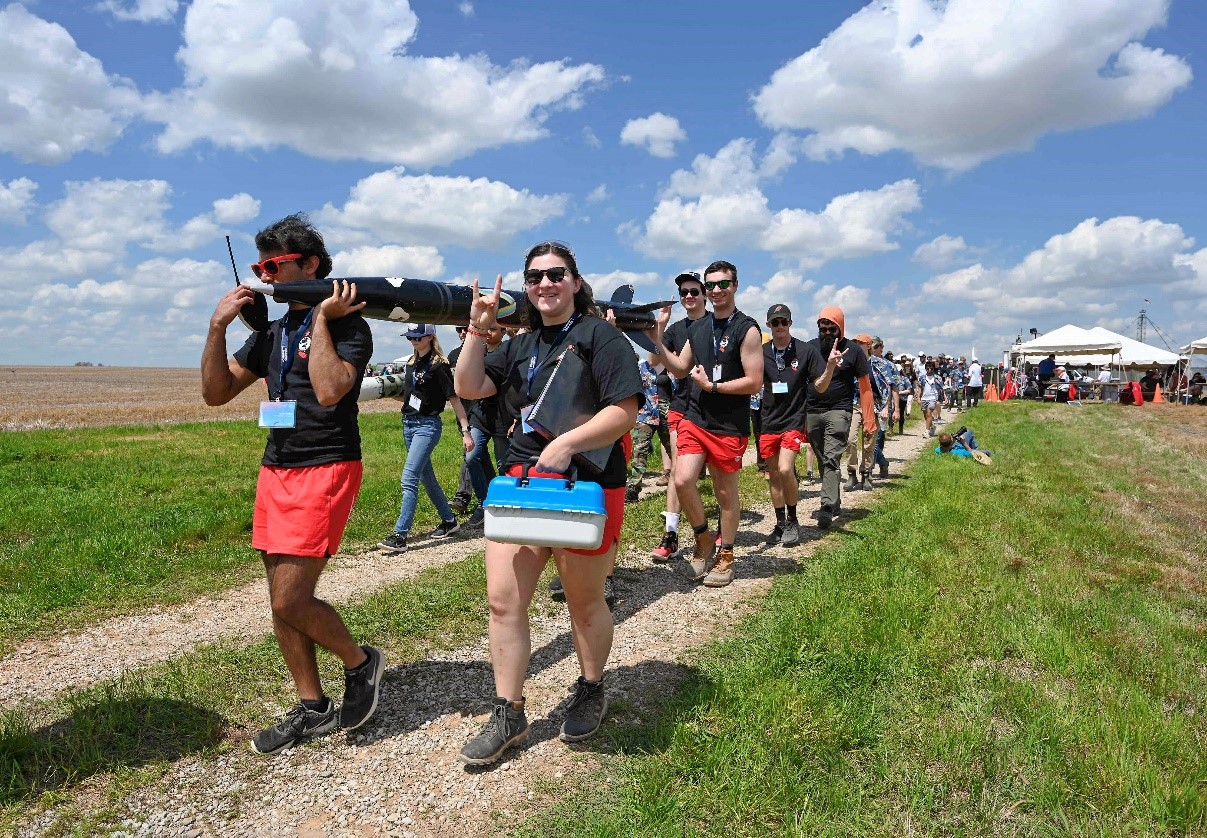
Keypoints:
(533, 276)
(421, 337)
(827, 330)
(780, 321)
(272, 264)
(723, 284)
(690, 292)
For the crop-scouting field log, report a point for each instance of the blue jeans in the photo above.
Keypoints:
(478, 464)
(420, 433)
(878, 457)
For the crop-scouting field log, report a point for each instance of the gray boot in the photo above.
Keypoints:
(852, 483)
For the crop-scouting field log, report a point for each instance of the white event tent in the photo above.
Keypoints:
(1069, 340)
(1132, 355)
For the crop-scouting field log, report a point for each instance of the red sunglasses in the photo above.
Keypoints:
(272, 264)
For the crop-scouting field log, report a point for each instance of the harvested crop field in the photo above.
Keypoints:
(77, 397)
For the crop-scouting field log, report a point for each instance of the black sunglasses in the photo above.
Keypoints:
(780, 321)
(828, 330)
(690, 292)
(533, 276)
(723, 284)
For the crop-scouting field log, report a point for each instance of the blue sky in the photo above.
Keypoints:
(952, 174)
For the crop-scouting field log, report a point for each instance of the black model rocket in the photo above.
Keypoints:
(403, 300)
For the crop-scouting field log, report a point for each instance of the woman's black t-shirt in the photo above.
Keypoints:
(614, 378)
(320, 434)
(430, 381)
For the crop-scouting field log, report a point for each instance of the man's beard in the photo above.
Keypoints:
(827, 344)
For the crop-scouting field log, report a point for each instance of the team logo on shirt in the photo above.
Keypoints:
(304, 346)
(795, 364)
(724, 342)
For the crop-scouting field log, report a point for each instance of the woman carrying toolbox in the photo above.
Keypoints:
(562, 315)
(428, 381)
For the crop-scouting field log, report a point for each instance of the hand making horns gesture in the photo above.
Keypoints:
(484, 308)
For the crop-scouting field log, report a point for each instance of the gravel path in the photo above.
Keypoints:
(400, 775)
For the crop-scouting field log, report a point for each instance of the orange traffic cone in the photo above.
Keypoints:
(1157, 397)
(991, 393)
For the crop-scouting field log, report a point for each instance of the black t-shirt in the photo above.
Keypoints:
(784, 411)
(674, 339)
(321, 434)
(716, 342)
(485, 414)
(613, 372)
(840, 395)
(666, 388)
(431, 381)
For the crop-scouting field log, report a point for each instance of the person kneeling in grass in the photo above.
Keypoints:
(312, 360)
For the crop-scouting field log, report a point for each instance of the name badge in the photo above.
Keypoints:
(278, 414)
(414, 402)
(779, 386)
(716, 373)
(524, 414)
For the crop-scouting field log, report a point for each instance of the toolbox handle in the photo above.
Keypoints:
(571, 473)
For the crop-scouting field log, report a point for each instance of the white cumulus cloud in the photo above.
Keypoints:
(143, 11)
(656, 133)
(719, 204)
(431, 210)
(57, 100)
(941, 252)
(418, 262)
(16, 198)
(959, 82)
(338, 83)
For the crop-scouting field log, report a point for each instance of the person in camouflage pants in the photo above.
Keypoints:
(651, 420)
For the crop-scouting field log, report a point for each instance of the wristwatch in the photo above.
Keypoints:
(714, 387)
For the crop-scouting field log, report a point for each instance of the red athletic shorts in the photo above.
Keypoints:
(721, 452)
(673, 418)
(770, 444)
(303, 511)
(613, 504)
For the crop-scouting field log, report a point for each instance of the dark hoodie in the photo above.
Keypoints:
(840, 395)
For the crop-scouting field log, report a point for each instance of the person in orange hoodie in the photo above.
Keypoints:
(834, 367)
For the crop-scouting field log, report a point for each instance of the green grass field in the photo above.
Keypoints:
(1016, 649)
(96, 522)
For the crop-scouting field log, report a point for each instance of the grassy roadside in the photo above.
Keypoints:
(104, 521)
(1015, 649)
(75, 758)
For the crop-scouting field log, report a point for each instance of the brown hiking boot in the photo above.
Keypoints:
(722, 572)
(664, 480)
(702, 555)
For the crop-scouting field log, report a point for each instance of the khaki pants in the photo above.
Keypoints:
(861, 445)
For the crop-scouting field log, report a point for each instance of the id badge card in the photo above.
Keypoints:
(716, 373)
(278, 414)
(525, 412)
(780, 387)
(414, 402)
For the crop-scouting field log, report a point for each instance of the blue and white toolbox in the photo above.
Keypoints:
(545, 511)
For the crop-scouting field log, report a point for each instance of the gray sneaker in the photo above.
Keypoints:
(791, 534)
(362, 686)
(505, 727)
(476, 518)
(585, 712)
(298, 724)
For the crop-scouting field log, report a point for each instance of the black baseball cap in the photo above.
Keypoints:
(687, 276)
(778, 310)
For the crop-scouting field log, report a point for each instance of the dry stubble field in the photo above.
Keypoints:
(33, 398)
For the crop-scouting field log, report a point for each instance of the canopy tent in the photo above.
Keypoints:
(1132, 354)
(1065, 341)
(1195, 352)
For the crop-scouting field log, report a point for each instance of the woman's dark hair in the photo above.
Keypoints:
(294, 234)
(584, 299)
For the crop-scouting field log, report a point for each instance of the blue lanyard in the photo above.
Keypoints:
(533, 366)
(780, 356)
(289, 347)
